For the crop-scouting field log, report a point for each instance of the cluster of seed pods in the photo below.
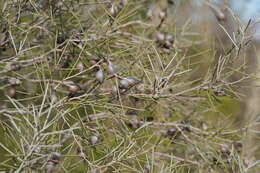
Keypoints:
(115, 9)
(125, 83)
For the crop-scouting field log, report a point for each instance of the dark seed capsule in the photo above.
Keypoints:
(55, 156)
(238, 146)
(171, 132)
(61, 39)
(225, 149)
(149, 118)
(219, 92)
(81, 153)
(131, 112)
(171, 2)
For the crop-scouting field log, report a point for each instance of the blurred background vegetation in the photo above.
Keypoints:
(100, 86)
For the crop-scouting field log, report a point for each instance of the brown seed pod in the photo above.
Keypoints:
(11, 92)
(72, 87)
(133, 81)
(94, 60)
(169, 38)
(124, 84)
(128, 82)
(100, 76)
(160, 37)
(55, 156)
(225, 149)
(112, 69)
(135, 123)
(80, 67)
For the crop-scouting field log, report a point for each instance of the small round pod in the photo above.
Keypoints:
(169, 38)
(80, 67)
(112, 68)
(135, 123)
(100, 76)
(225, 149)
(113, 10)
(11, 91)
(238, 146)
(94, 139)
(128, 82)
(124, 84)
(160, 37)
(72, 87)
(94, 60)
